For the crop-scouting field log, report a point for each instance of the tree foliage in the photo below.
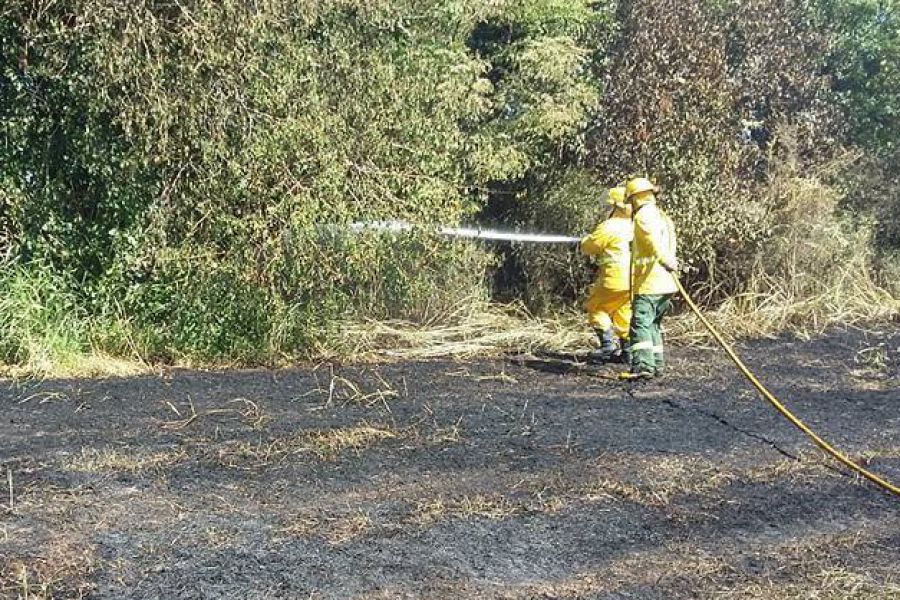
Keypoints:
(864, 68)
(187, 164)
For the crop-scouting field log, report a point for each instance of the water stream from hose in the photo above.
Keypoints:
(474, 233)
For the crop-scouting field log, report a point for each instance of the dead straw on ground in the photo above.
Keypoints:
(486, 329)
(478, 329)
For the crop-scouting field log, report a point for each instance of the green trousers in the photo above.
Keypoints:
(646, 332)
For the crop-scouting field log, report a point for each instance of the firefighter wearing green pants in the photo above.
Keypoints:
(652, 283)
(647, 353)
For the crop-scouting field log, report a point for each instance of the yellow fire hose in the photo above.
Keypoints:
(780, 407)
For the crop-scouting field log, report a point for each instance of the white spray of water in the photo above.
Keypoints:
(473, 233)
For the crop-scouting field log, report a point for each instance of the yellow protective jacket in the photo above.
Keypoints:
(654, 238)
(611, 245)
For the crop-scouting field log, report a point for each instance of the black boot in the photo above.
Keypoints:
(608, 346)
(625, 355)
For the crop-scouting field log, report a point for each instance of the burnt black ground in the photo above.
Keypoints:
(513, 478)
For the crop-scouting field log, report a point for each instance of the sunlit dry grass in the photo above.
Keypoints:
(491, 507)
(101, 460)
(331, 442)
(62, 569)
(477, 330)
(334, 529)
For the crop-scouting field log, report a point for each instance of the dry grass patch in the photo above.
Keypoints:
(104, 460)
(812, 567)
(243, 409)
(89, 365)
(612, 489)
(47, 499)
(61, 569)
(342, 390)
(492, 330)
(477, 329)
(492, 507)
(663, 480)
(830, 584)
(335, 530)
(329, 443)
(872, 370)
(477, 506)
(445, 435)
(642, 569)
(874, 455)
(325, 444)
(217, 537)
(251, 455)
(349, 392)
(809, 466)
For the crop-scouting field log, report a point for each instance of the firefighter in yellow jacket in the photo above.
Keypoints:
(653, 262)
(609, 303)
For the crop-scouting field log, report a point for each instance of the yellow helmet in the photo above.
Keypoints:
(639, 185)
(616, 196)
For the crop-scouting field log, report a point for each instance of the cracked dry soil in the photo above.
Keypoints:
(515, 478)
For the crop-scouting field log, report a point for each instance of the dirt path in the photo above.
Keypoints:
(519, 478)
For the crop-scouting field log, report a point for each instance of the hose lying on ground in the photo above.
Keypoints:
(779, 406)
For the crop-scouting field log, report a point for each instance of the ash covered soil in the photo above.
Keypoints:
(511, 478)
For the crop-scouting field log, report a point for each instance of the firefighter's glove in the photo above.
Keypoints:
(670, 264)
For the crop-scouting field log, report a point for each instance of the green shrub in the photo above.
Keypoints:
(42, 324)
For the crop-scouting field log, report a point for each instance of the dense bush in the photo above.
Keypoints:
(698, 95)
(178, 174)
(707, 98)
